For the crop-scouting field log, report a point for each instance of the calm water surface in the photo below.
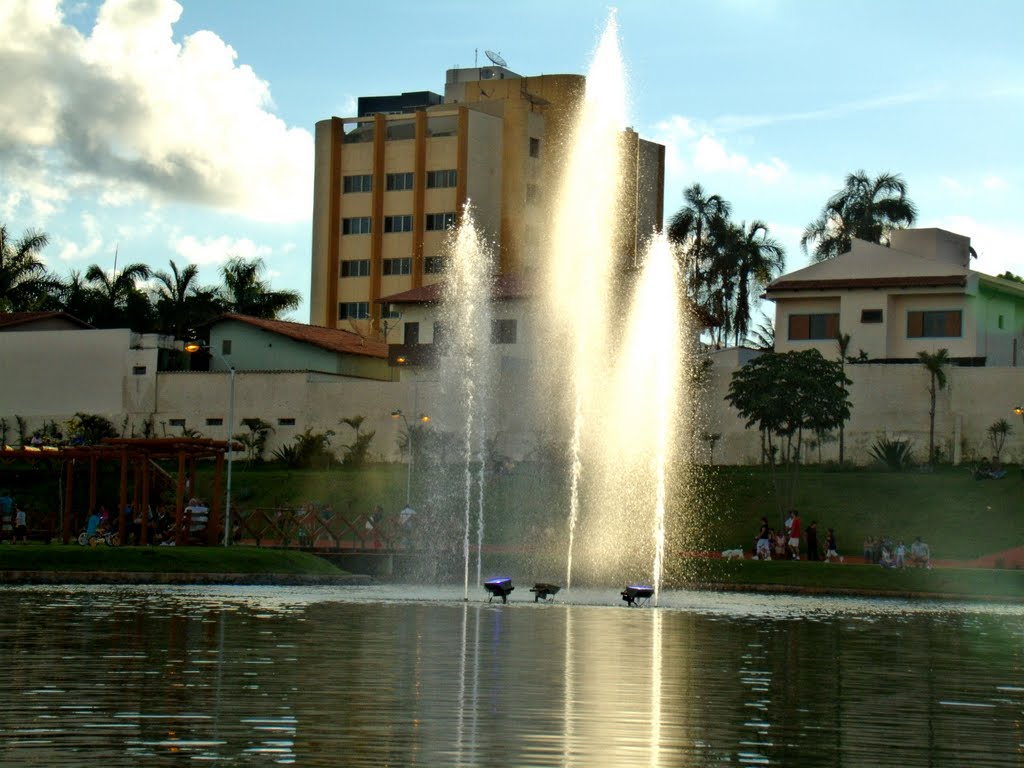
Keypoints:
(396, 676)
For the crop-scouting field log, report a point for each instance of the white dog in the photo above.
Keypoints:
(730, 554)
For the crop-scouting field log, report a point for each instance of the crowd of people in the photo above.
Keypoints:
(881, 550)
(786, 544)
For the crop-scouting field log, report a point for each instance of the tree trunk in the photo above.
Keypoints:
(931, 424)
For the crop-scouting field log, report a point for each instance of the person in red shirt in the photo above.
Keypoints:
(794, 536)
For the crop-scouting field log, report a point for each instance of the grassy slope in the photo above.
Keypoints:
(960, 517)
(40, 557)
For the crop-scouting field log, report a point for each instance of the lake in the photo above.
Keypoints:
(410, 675)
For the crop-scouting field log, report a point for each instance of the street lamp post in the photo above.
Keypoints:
(192, 347)
(422, 418)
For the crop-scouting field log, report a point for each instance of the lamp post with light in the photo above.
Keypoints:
(423, 419)
(1019, 410)
(192, 347)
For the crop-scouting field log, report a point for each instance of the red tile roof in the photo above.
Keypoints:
(332, 339)
(503, 287)
(928, 281)
(8, 319)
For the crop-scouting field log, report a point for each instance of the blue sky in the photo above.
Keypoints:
(183, 130)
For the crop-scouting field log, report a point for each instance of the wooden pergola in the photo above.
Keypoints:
(138, 457)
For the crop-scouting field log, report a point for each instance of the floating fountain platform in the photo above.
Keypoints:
(637, 595)
(543, 591)
(499, 587)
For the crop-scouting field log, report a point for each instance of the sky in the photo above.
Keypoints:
(156, 130)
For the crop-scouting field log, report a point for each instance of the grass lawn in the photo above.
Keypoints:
(76, 558)
(964, 582)
(960, 517)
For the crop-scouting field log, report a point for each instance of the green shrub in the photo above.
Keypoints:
(895, 454)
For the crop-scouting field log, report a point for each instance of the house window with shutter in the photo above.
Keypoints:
(935, 324)
(814, 327)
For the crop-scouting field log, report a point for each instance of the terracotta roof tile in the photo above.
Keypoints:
(332, 339)
(20, 318)
(504, 287)
(927, 281)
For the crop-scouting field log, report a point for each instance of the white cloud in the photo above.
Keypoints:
(130, 112)
(996, 183)
(690, 147)
(217, 250)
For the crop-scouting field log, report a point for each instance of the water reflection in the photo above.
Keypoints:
(360, 677)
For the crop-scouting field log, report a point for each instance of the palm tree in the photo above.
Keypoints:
(25, 283)
(181, 303)
(77, 298)
(843, 342)
(935, 363)
(693, 227)
(118, 298)
(865, 208)
(760, 258)
(246, 293)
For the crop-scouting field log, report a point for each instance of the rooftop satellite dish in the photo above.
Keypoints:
(495, 58)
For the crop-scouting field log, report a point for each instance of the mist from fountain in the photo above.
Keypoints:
(468, 367)
(612, 363)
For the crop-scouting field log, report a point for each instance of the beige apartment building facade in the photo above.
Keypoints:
(391, 182)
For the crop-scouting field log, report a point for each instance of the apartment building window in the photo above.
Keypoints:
(401, 266)
(353, 310)
(225, 346)
(355, 268)
(435, 265)
(871, 315)
(399, 181)
(503, 332)
(438, 222)
(286, 422)
(813, 327)
(389, 312)
(999, 322)
(215, 422)
(398, 223)
(361, 183)
(357, 225)
(442, 179)
(176, 423)
(935, 324)
(411, 334)
(534, 147)
(138, 370)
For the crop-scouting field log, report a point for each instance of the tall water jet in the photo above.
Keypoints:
(582, 254)
(467, 366)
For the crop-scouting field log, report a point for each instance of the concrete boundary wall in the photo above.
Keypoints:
(888, 400)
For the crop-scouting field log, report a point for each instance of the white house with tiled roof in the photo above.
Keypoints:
(257, 344)
(918, 295)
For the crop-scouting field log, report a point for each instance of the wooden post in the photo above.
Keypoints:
(215, 524)
(179, 501)
(143, 463)
(122, 525)
(92, 483)
(69, 489)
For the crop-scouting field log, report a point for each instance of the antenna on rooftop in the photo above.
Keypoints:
(495, 58)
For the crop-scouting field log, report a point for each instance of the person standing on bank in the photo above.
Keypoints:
(20, 525)
(794, 535)
(812, 540)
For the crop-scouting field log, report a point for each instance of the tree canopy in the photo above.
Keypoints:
(865, 208)
(724, 264)
(172, 302)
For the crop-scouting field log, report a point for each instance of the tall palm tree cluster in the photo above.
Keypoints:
(865, 208)
(723, 263)
(134, 296)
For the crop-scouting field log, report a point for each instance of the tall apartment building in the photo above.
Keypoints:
(391, 181)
